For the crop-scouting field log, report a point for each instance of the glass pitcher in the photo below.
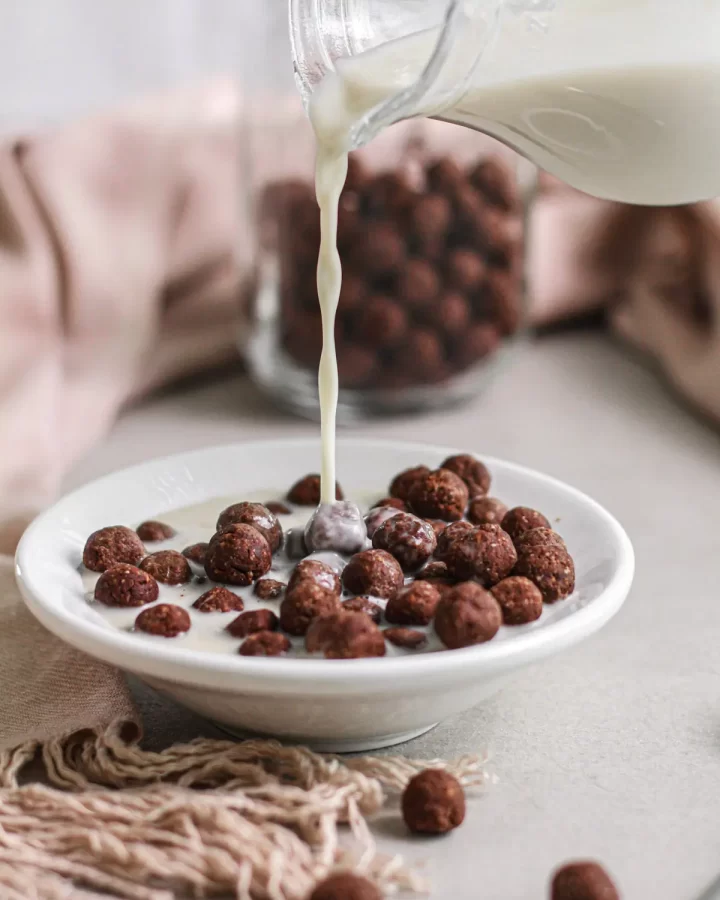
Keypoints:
(615, 97)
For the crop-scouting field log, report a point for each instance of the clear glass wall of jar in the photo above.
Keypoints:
(430, 235)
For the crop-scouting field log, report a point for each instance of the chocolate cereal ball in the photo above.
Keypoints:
(338, 527)
(393, 502)
(466, 270)
(112, 545)
(237, 555)
(306, 491)
(430, 218)
(305, 602)
(382, 322)
(268, 588)
(474, 473)
(218, 599)
(414, 605)
(346, 886)
(435, 569)
(521, 519)
(550, 568)
(486, 511)
(345, 635)
(485, 553)
(439, 495)
(402, 482)
(419, 284)
(583, 881)
(378, 515)
(155, 531)
(539, 537)
(277, 508)
(467, 615)
(265, 643)
(364, 605)
(253, 621)
(452, 533)
(258, 516)
(407, 638)
(433, 802)
(163, 620)
(196, 553)
(520, 600)
(410, 540)
(167, 567)
(373, 572)
(126, 585)
(315, 571)
(437, 525)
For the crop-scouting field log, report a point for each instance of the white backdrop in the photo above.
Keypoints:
(62, 58)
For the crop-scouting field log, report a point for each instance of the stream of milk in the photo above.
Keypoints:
(618, 99)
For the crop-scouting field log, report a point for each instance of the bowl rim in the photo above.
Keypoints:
(292, 675)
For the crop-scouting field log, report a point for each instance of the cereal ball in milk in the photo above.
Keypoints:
(258, 516)
(373, 572)
(253, 621)
(125, 585)
(403, 481)
(237, 555)
(196, 553)
(520, 600)
(375, 518)
(364, 605)
(550, 568)
(317, 572)
(112, 545)
(151, 531)
(485, 553)
(407, 638)
(410, 540)
(467, 615)
(265, 643)
(218, 599)
(539, 537)
(167, 567)
(338, 527)
(453, 532)
(474, 473)
(486, 511)
(439, 495)
(521, 519)
(345, 635)
(305, 602)
(414, 605)
(306, 491)
(164, 620)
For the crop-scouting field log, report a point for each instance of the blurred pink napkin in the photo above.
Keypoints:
(120, 269)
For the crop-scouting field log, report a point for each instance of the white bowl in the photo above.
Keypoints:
(328, 704)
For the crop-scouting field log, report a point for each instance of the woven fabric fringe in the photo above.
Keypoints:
(254, 820)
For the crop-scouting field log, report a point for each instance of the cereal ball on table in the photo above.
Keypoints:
(403, 481)
(339, 527)
(521, 519)
(265, 643)
(258, 516)
(410, 540)
(413, 605)
(364, 605)
(125, 585)
(583, 881)
(550, 568)
(474, 473)
(112, 545)
(167, 567)
(485, 553)
(151, 531)
(346, 886)
(163, 620)
(218, 599)
(439, 495)
(306, 491)
(237, 555)
(433, 802)
(519, 599)
(306, 601)
(486, 511)
(467, 615)
(345, 635)
(373, 572)
(316, 571)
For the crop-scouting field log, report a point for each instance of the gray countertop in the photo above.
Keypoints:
(612, 749)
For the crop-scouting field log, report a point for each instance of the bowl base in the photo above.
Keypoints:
(352, 745)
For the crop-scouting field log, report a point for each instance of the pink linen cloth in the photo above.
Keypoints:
(120, 268)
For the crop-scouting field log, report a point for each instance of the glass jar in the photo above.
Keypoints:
(430, 235)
